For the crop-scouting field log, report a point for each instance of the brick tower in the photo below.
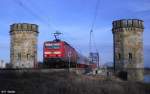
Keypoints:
(23, 46)
(128, 47)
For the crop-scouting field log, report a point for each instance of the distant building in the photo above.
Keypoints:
(128, 47)
(2, 64)
(94, 58)
(23, 49)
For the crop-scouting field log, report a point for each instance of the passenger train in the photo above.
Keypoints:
(60, 54)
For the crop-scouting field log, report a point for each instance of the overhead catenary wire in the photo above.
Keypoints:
(92, 43)
(34, 14)
(46, 19)
(93, 55)
(92, 27)
(95, 14)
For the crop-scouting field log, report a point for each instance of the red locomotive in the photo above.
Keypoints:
(60, 54)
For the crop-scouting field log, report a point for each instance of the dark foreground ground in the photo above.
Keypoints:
(63, 82)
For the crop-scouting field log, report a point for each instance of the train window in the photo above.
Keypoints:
(56, 46)
(52, 46)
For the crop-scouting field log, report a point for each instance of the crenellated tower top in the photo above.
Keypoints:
(127, 24)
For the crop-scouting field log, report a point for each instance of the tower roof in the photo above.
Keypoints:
(127, 23)
(23, 27)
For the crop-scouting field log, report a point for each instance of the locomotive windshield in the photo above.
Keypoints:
(52, 45)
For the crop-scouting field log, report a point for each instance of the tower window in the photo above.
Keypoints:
(19, 56)
(119, 56)
(130, 56)
(27, 56)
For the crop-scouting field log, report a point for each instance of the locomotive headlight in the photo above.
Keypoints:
(48, 52)
(45, 55)
(57, 52)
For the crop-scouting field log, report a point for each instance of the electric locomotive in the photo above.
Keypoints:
(59, 53)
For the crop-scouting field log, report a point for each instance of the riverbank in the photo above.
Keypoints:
(147, 78)
(62, 82)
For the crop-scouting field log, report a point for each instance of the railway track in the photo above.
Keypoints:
(43, 70)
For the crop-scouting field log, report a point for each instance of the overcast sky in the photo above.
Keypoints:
(73, 18)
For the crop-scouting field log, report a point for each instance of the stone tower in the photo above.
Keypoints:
(128, 47)
(23, 49)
